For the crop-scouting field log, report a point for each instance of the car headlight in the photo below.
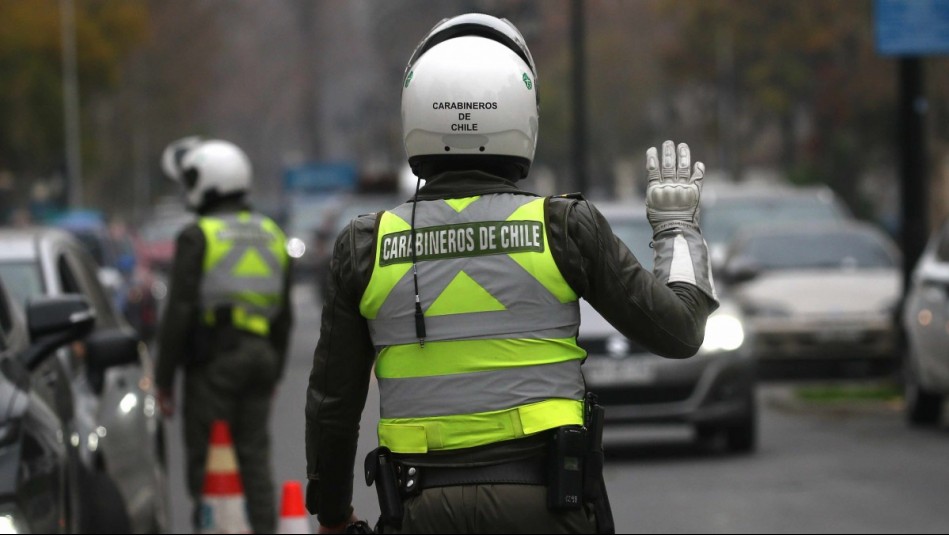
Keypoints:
(11, 520)
(296, 247)
(723, 332)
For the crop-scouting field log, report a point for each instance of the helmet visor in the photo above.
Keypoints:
(476, 24)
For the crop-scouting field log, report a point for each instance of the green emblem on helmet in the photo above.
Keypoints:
(408, 79)
(527, 81)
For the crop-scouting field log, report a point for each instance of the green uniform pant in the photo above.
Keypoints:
(237, 385)
(490, 509)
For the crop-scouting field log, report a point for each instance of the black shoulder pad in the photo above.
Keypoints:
(577, 195)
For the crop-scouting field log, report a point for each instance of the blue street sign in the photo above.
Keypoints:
(912, 27)
(320, 178)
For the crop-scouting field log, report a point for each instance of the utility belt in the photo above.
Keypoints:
(572, 471)
(237, 317)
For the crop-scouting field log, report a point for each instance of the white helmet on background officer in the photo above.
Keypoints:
(469, 93)
(209, 169)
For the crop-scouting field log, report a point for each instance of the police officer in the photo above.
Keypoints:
(228, 318)
(465, 300)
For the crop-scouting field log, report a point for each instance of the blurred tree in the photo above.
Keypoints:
(805, 77)
(31, 105)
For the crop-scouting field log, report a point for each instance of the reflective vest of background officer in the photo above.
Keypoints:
(467, 296)
(227, 320)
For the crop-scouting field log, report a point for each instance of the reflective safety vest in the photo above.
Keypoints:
(500, 359)
(245, 260)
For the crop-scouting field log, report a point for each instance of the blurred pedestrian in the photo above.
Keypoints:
(227, 320)
(465, 300)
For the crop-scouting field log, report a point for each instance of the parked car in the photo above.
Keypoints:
(726, 210)
(714, 391)
(118, 428)
(39, 480)
(130, 283)
(820, 291)
(925, 321)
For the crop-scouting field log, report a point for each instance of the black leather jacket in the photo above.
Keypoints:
(669, 320)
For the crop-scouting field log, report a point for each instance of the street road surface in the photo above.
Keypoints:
(816, 470)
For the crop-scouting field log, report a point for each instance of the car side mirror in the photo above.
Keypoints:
(741, 270)
(112, 347)
(54, 322)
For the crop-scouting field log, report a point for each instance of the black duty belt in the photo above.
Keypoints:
(414, 479)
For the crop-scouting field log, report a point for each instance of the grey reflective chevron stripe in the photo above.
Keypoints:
(530, 309)
(223, 284)
(481, 391)
(540, 316)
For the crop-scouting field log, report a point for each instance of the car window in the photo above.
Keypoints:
(96, 245)
(816, 250)
(77, 275)
(22, 279)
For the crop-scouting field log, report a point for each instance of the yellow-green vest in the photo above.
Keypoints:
(245, 260)
(500, 360)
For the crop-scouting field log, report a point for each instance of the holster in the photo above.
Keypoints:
(594, 486)
(380, 470)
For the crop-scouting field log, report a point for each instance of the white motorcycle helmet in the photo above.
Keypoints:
(207, 169)
(470, 89)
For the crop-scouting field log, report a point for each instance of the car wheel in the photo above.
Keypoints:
(923, 408)
(742, 437)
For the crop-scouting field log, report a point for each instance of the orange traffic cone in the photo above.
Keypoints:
(293, 515)
(223, 507)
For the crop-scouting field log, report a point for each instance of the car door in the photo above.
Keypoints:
(126, 417)
(33, 456)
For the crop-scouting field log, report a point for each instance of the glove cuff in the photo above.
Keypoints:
(672, 224)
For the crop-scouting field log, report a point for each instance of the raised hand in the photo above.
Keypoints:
(674, 189)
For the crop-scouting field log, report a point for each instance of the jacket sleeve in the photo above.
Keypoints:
(182, 309)
(339, 380)
(666, 315)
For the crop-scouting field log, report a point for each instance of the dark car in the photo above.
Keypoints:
(119, 431)
(714, 391)
(39, 480)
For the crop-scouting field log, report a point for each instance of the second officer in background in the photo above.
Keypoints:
(228, 318)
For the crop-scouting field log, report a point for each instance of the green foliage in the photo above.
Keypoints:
(807, 68)
(31, 98)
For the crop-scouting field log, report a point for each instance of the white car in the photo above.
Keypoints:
(824, 291)
(925, 320)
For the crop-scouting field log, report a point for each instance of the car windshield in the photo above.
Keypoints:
(22, 280)
(721, 220)
(816, 250)
(636, 234)
(96, 246)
